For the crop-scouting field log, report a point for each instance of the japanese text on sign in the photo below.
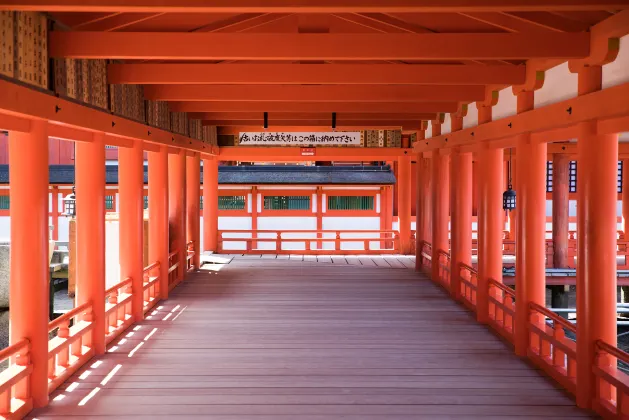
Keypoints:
(299, 139)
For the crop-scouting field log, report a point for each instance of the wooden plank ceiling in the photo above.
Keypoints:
(380, 63)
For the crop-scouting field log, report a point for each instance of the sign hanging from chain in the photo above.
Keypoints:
(300, 139)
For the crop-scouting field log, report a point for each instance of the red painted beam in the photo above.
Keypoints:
(341, 116)
(406, 125)
(267, 46)
(293, 154)
(355, 107)
(312, 93)
(311, 6)
(287, 74)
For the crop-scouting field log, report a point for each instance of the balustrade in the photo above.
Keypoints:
(309, 241)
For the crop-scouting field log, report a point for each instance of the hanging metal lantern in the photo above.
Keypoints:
(508, 197)
(69, 204)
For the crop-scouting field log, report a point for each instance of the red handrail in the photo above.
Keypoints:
(550, 349)
(444, 269)
(612, 386)
(469, 285)
(72, 346)
(15, 400)
(151, 284)
(251, 238)
(118, 309)
(502, 309)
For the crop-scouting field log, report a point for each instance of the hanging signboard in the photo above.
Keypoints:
(299, 139)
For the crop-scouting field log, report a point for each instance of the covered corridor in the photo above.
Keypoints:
(266, 339)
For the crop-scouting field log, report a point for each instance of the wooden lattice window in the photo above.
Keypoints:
(230, 202)
(350, 202)
(109, 202)
(285, 202)
(5, 202)
(549, 176)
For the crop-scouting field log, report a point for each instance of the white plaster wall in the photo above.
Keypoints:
(112, 253)
(5, 228)
(352, 223)
(559, 84)
(507, 104)
(471, 119)
(64, 228)
(617, 72)
(235, 223)
(287, 223)
(446, 127)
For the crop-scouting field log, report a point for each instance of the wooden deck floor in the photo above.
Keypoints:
(268, 339)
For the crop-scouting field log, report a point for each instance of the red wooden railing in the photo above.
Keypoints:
(469, 285)
(310, 240)
(72, 346)
(550, 349)
(426, 257)
(190, 256)
(444, 269)
(15, 398)
(118, 309)
(612, 386)
(502, 309)
(173, 269)
(151, 286)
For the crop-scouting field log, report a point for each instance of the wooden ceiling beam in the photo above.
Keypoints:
(341, 116)
(365, 124)
(266, 46)
(331, 74)
(355, 107)
(310, 6)
(314, 93)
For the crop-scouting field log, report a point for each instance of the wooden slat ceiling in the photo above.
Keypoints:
(537, 23)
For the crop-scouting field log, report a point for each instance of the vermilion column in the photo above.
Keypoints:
(210, 205)
(28, 172)
(158, 215)
(440, 205)
(193, 215)
(131, 190)
(419, 208)
(176, 207)
(625, 196)
(596, 241)
(490, 219)
(90, 233)
(404, 203)
(530, 241)
(561, 189)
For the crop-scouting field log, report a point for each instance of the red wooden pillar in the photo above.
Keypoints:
(28, 174)
(530, 241)
(254, 214)
(625, 196)
(319, 198)
(158, 215)
(404, 203)
(596, 230)
(210, 205)
(440, 204)
(561, 189)
(490, 219)
(420, 235)
(90, 233)
(513, 214)
(54, 213)
(131, 191)
(193, 216)
(176, 207)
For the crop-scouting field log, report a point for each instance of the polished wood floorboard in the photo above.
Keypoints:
(268, 339)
